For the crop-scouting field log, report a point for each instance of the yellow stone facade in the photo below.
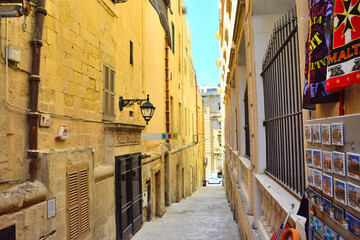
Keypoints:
(79, 40)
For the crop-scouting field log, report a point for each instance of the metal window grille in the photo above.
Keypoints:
(173, 37)
(282, 100)
(246, 127)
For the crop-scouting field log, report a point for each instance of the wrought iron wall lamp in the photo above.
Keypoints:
(147, 109)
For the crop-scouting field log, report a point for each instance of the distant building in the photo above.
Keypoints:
(213, 130)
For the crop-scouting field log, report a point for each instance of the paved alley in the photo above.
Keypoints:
(204, 215)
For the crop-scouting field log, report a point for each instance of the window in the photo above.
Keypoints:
(77, 201)
(186, 122)
(246, 127)
(219, 106)
(173, 37)
(212, 90)
(180, 120)
(109, 94)
(131, 53)
(283, 109)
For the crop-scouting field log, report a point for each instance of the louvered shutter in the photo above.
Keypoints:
(84, 200)
(112, 92)
(77, 181)
(109, 94)
(106, 91)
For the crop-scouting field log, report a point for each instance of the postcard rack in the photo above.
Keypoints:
(332, 157)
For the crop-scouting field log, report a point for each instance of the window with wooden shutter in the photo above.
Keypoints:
(77, 201)
(131, 53)
(109, 93)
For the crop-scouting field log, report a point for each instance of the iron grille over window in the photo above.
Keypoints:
(173, 37)
(246, 127)
(282, 100)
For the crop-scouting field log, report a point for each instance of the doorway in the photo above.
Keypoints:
(158, 193)
(167, 180)
(128, 195)
(182, 183)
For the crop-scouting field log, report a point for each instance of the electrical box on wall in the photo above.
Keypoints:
(45, 120)
(14, 54)
(63, 133)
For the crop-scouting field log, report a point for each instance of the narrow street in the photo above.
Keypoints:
(204, 215)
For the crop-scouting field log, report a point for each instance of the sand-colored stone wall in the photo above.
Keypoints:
(78, 41)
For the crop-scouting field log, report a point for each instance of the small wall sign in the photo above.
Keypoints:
(51, 207)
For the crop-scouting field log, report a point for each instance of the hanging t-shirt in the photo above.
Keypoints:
(317, 56)
(344, 52)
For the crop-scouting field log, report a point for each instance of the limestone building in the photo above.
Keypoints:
(72, 164)
(213, 133)
(264, 141)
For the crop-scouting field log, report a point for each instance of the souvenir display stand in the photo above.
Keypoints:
(332, 152)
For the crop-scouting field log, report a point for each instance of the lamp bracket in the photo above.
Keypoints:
(129, 102)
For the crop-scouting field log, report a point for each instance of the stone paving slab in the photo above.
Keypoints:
(204, 215)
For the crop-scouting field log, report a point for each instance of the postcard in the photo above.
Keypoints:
(337, 134)
(312, 221)
(353, 196)
(325, 134)
(316, 133)
(339, 163)
(340, 191)
(327, 161)
(317, 237)
(327, 185)
(330, 234)
(318, 179)
(326, 206)
(310, 176)
(339, 214)
(353, 165)
(308, 157)
(319, 226)
(310, 194)
(308, 134)
(353, 224)
(318, 199)
(317, 158)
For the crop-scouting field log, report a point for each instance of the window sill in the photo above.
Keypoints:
(277, 192)
(276, 203)
(245, 161)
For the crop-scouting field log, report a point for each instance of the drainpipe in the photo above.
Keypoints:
(34, 82)
(167, 91)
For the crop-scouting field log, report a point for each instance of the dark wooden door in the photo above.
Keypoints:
(128, 195)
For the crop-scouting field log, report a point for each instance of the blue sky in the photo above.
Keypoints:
(203, 18)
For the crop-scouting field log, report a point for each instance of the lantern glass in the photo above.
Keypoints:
(147, 110)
